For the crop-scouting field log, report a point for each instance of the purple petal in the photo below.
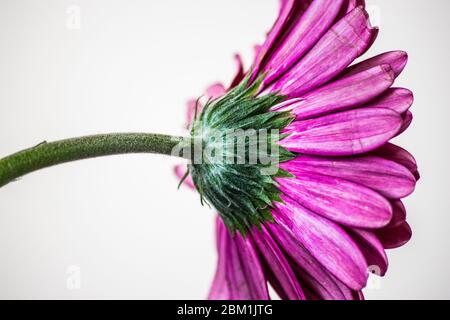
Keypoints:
(326, 241)
(314, 290)
(397, 233)
(240, 73)
(239, 274)
(395, 237)
(389, 178)
(290, 12)
(399, 214)
(396, 99)
(304, 34)
(345, 93)
(348, 6)
(359, 295)
(342, 201)
(352, 4)
(407, 120)
(342, 44)
(395, 153)
(278, 267)
(345, 133)
(318, 279)
(190, 111)
(372, 249)
(396, 59)
(219, 288)
(215, 90)
(373, 37)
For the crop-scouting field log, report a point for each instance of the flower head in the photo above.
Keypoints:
(317, 224)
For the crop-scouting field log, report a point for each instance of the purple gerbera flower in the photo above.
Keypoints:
(315, 228)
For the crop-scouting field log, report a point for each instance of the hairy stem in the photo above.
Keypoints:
(49, 154)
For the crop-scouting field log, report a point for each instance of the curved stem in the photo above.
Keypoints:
(49, 154)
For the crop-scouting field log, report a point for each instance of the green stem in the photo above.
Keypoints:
(49, 154)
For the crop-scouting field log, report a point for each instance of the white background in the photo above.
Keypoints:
(120, 222)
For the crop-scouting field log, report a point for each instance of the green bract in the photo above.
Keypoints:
(236, 154)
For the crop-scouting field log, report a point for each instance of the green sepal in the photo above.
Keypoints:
(243, 194)
(283, 174)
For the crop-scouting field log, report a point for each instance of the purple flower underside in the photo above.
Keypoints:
(343, 209)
